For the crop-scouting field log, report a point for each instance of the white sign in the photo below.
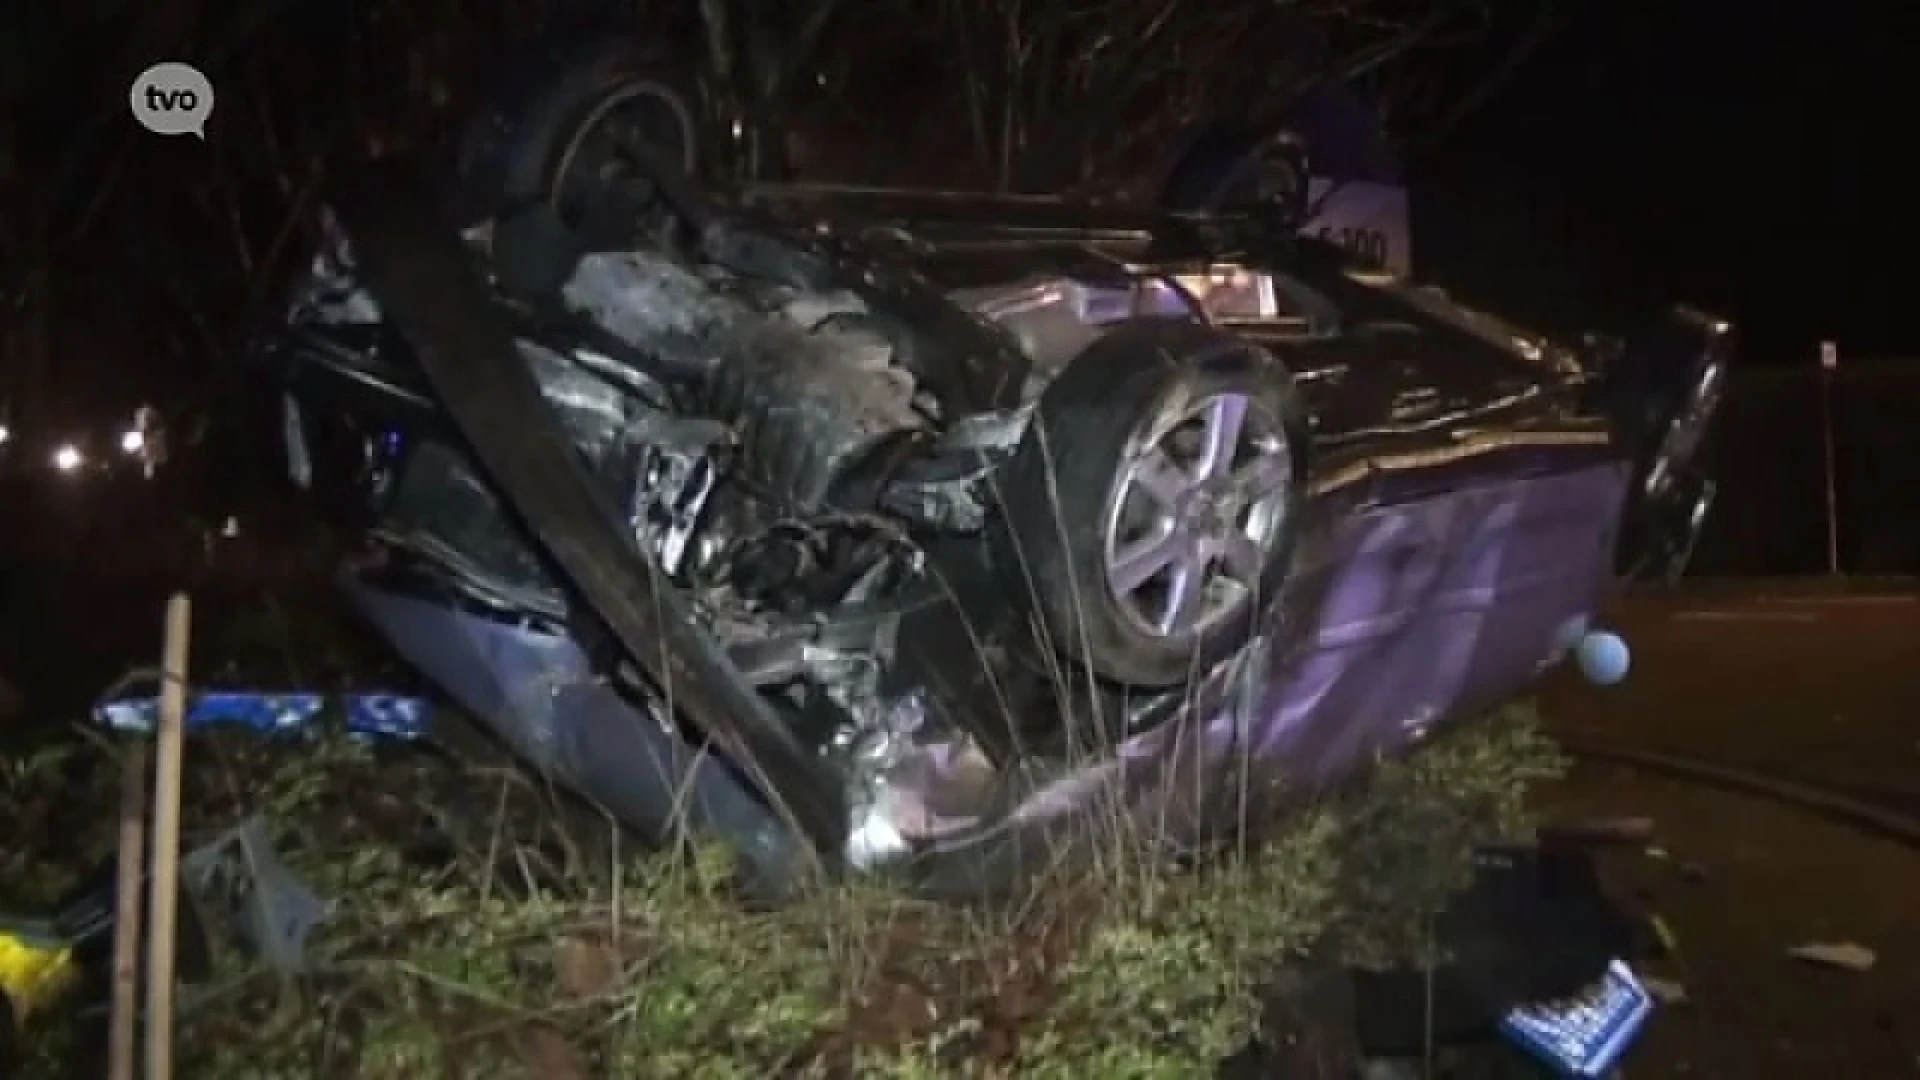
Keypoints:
(1364, 216)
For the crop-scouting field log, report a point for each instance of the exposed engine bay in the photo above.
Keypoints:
(766, 434)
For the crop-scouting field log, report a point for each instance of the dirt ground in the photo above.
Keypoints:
(1817, 687)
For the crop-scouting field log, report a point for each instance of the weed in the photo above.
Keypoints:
(484, 925)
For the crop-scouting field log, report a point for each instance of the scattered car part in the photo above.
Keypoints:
(240, 879)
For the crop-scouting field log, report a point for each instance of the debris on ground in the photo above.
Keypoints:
(1663, 932)
(269, 909)
(1618, 830)
(1665, 991)
(276, 712)
(1690, 871)
(1844, 955)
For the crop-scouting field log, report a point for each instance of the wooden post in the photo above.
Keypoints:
(129, 908)
(163, 919)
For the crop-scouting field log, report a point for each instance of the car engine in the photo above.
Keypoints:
(760, 427)
(807, 390)
(755, 436)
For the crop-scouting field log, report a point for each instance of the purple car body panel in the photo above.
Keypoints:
(1431, 610)
(538, 692)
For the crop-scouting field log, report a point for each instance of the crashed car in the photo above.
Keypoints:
(938, 532)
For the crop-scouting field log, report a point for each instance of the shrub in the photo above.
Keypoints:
(483, 925)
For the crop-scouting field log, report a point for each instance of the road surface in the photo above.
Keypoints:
(1816, 687)
(1821, 689)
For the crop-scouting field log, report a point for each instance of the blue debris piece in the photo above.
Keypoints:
(395, 716)
(1585, 1039)
(384, 715)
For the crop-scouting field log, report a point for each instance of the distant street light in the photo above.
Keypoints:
(133, 441)
(68, 458)
(4, 434)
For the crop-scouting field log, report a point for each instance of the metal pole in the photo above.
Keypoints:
(1829, 363)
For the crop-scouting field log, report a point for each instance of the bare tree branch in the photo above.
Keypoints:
(1035, 95)
(1546, 23)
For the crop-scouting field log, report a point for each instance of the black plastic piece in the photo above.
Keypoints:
(1535, 926)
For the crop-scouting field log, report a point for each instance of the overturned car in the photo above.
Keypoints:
(932, 531)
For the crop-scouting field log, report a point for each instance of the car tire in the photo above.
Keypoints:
(1093, 466)
(516, 153)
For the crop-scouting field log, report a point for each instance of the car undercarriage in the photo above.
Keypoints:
(932, 531)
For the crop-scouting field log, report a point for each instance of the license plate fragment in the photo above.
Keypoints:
(1587, 1037)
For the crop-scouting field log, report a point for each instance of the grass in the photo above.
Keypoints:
(482, 925)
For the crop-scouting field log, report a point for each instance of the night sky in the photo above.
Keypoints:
(1752, 159)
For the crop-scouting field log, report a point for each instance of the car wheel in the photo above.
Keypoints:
(631, 156)
(1150, 509)
(601, 135)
